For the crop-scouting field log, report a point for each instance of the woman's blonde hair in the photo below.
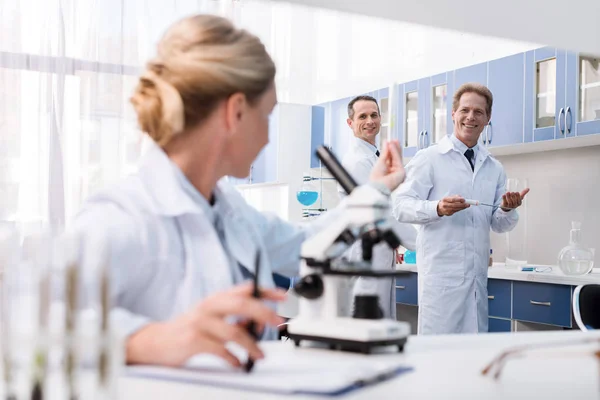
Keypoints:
(200, 60)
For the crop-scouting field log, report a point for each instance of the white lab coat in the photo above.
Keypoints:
(166, 254)
(453, 252)
(359, 161)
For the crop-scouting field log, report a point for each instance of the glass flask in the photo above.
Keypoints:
(308, 194)
(576, 259)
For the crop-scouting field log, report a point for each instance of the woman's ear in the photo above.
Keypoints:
(235, 107)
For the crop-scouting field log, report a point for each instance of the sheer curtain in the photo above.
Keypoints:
(67, 69)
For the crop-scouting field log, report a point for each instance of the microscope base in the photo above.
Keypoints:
(348, 334)
(349, 345)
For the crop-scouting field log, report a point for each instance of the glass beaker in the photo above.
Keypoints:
(516, 239)
(308, 194)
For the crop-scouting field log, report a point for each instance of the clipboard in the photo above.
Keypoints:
(286, 370)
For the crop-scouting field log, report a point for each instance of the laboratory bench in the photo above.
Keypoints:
(533, 298)
(444, 367)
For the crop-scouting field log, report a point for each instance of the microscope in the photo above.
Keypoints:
(324, 274)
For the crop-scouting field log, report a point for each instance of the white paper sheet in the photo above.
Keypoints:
(286, 370)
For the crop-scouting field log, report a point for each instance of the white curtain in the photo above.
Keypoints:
(67, 69)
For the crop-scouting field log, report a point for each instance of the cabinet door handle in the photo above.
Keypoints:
(426, 136)
(421, 142)
(540, 303)
(401, 287)
(490, 133)
(560, 126)
(569, 125)
(490, 297)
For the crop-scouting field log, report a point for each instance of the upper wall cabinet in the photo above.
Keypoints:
(422, 112)
(550, 96)
(543, 94)
(506, 80)
(588, 97)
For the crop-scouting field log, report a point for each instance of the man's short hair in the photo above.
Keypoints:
(473, 87)
(358, 98)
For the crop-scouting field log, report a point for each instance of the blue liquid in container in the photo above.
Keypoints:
(307, 198)
(410, 257)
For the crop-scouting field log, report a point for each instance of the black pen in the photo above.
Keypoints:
(256, 295)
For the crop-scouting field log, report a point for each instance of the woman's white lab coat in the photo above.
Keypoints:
(166, 254)
(453, 252)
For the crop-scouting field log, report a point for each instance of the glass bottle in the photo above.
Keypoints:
(576, 259)
(308, 194)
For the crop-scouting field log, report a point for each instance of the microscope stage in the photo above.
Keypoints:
(350, 333)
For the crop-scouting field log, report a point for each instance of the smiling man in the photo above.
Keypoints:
(364, 119)
(453, 244)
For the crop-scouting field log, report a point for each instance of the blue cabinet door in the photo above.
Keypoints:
(542, 302)
(506, 80)
(475, 73)
(545, 94)
(410, 118)
(264, 168)
(399, 127)
(438, 109)
(407, 289)
(578, 95)
(317, 134)
(498, 325)
(499, 298)
(425, 112)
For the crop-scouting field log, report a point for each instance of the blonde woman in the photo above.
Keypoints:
(182, 239)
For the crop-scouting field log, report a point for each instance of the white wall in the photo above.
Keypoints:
(322, 55)
(564, 187)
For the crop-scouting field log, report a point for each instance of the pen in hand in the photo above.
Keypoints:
(256, 294)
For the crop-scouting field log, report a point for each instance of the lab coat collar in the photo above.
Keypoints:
(159, 175)
(364, 146)
(445, 145)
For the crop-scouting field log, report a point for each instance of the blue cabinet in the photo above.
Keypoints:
(440, 109)
(499, 325)
(583, 73)
(542, 94)
(317, 134)
(553, 100)
(416, 126)
(407, 289)
(409, 118)
(506, 80)
(474, 73)
(499, 298)
(542, 302)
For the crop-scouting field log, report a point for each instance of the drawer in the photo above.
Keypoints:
(499, 298)
(406, 289)
(498, 325)
(542, 302)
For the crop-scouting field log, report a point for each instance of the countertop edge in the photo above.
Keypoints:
(500, 271)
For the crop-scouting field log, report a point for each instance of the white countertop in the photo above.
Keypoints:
(445, 367)
(555, 276)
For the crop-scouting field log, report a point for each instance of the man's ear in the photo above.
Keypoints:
(235, 109)
(349, 122)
